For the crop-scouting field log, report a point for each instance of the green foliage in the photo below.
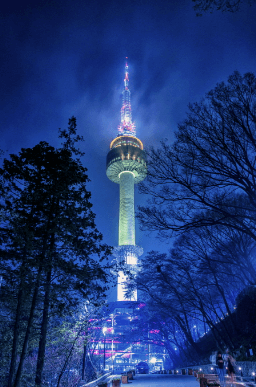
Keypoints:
(52, 254)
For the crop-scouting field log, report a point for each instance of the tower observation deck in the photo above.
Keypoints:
(126, 166)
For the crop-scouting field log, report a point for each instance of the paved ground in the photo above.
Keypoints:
(156, 380)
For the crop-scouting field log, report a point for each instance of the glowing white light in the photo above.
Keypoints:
(104, 330)
(152, 360)
(126, 172)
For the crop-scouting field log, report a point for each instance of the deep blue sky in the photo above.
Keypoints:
(64, 58)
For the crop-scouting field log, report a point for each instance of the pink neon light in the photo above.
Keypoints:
(126, 126)
(126, 355)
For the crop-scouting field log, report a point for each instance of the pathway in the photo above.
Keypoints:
(155, 380)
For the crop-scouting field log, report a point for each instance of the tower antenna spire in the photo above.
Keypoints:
(126, 126)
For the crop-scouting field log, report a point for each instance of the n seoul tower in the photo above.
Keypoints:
(126, 166)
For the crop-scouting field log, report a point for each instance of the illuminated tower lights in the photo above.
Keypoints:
(126, 166)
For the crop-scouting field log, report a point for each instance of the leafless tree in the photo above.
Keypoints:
(208, 176)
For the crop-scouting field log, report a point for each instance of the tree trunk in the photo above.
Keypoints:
(188, 335)
(28, 330)
(83, 366)
(42, 342)
(69, 356)
(16, 331)
(222, 293)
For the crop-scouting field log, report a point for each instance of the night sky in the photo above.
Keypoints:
(64, 58)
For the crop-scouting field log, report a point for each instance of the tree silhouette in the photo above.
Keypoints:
(202, 6)
(50, 239)
(208, 176)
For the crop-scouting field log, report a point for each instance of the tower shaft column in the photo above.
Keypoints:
(126, 209)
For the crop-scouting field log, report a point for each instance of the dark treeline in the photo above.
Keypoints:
(202, 6)
(54, 265)
(202, 193)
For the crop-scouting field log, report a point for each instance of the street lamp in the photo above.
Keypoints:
(104, 330)
(112, 350)
(153, 361)
(112, 344)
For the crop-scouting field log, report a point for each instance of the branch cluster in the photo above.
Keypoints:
(202, 191)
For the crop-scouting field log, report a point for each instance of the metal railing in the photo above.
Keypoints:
(104, 378)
